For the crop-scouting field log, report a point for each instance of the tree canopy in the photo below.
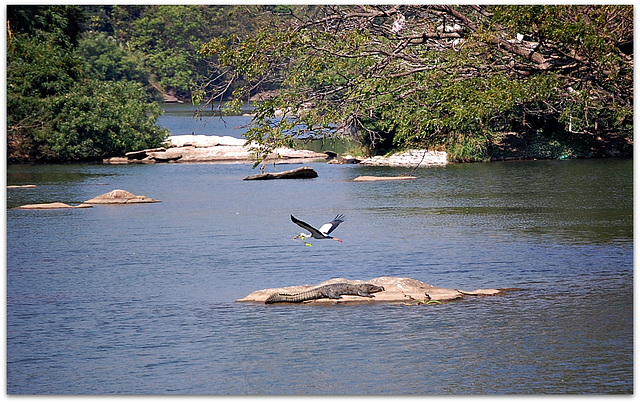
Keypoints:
(443, 77)
(59, 106)
(465, 79)
(166, 38)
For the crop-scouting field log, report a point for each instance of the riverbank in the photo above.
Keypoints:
(227, 149)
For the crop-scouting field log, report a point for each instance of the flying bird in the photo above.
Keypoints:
(323, 232)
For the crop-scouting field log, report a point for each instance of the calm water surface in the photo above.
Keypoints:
(139, 299)
(180, 119)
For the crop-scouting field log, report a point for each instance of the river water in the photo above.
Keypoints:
(139, 299)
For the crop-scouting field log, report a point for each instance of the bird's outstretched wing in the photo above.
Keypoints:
(314, 232)
(330, 226)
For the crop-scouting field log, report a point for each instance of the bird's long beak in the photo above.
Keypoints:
(337, 239)
(296, 237)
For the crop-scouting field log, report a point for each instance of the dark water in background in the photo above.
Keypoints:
(139, 299)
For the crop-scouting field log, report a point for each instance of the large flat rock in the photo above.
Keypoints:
(396, 289)
(201, 148)
(48, 206)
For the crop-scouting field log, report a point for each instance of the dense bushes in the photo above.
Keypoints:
(61, 107)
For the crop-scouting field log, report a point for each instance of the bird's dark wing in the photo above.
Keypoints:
(330, 226)
(314, 232)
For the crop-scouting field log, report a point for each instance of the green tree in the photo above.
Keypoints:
(109, 61)
(56, 110)
(169, 36)
(441, 77)
(98, 119)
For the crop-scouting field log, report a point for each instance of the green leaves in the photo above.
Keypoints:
(109, 61)
(60, 110)
(449, 78)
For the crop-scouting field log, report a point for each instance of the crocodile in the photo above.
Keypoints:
(333, 291)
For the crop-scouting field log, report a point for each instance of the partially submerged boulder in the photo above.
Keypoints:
(119, 196)
(396, 289)
(56, 205)
(298, 173)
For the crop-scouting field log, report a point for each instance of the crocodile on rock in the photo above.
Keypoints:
(333, 291)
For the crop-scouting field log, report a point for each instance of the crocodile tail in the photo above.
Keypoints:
(293, 298)
(283, 297)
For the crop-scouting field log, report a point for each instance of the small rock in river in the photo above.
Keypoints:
(56, 205)
(119, 196)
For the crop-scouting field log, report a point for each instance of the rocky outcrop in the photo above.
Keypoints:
(201, 148)
(396, 290)
(411, 158)
(299, 173)
(119, 196)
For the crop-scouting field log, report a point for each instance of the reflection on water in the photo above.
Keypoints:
(140, 299)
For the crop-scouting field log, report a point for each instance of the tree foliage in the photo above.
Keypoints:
(60, 108)
(443, 77)
(108, 60)
(166, 38)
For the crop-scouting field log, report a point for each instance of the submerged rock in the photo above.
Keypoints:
(56, 205)
(119, 196)
(382, 178)
(396, 289)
